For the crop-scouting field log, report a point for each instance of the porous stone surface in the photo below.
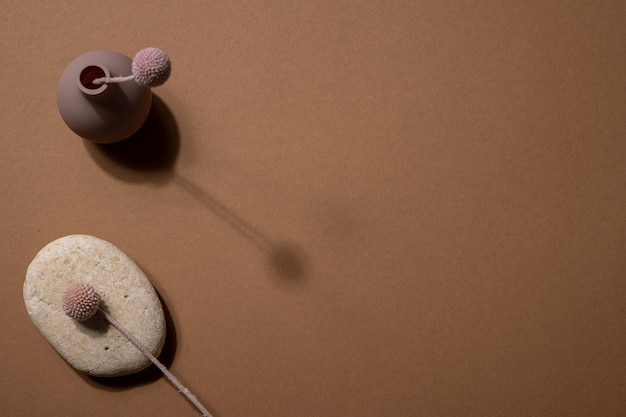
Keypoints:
(94, 346)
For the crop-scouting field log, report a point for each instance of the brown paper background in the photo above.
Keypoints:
(397, 208)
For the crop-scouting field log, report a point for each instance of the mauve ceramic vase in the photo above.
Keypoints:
(102, 113)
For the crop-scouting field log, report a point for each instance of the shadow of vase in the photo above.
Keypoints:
(149, 155)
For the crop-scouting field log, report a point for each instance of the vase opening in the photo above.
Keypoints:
(88, 75)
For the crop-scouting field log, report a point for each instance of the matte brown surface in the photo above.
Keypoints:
(397, 208)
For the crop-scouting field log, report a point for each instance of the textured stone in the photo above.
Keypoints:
(94, 346)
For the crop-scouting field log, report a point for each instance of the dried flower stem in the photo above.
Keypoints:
(158, 364)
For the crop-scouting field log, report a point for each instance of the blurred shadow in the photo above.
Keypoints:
(148, 375)
(148, 155)
(286, 259)
(228, 216)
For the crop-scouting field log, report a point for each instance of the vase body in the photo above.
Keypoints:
(103, 113)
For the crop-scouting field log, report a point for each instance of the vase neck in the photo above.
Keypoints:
(86, 77)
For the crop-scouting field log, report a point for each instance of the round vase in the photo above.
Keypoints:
(102, 113)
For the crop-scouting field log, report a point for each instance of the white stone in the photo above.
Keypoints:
(94, 346)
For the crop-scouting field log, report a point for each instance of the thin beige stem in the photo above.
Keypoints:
(158, 364)
(113, 80)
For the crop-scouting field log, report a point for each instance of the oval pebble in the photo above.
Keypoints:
(94, 346)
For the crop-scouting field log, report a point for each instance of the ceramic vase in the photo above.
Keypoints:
(102, 113)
